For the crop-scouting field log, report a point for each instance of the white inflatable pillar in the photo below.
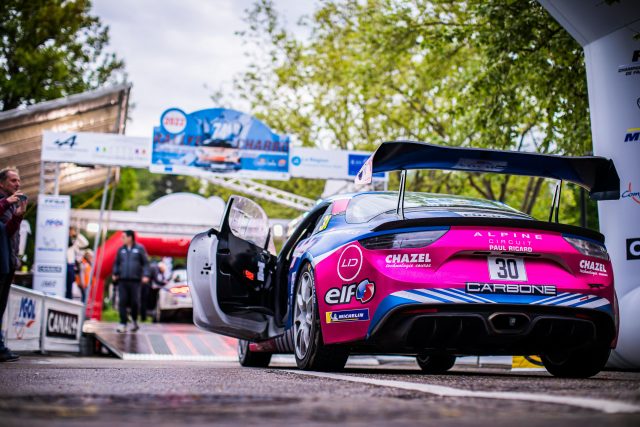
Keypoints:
(607, 31)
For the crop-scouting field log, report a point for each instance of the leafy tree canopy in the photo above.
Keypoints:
(484, 73)
(50, 49)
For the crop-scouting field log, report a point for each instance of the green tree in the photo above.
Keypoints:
(50, 49)
(482, 73)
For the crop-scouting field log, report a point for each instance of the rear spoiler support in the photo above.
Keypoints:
(401, 191)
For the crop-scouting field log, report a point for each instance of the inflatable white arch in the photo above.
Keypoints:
(606, 30)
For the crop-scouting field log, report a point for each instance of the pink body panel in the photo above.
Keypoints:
(448, 263)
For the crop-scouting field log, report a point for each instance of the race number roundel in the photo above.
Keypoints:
(350, 263)
(174, 120)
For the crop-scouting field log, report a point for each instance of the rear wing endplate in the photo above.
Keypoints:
(596, 174)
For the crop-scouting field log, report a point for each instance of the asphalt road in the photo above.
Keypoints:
(70, 391)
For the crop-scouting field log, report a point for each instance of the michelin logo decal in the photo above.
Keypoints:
(348, 315)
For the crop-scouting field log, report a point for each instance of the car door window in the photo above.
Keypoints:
(249, 222)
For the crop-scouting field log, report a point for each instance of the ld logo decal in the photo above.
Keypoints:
(350, 263)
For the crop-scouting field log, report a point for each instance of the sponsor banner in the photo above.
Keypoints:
(52, 235)
(218, 141)
(327, 164)
(633, 248)
(22, 321)
(355, 315)
(89, 148)
(62, 325)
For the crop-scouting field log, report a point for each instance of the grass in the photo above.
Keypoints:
(110, 314)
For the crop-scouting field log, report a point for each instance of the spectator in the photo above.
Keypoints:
(84, 272)
(150, 291)
(13, 204)
(130, 270)
(77, 242)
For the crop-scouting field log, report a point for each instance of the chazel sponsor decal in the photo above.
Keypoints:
(509, 288)
(408, 260)
(630, 194)
(633, 248)
(355, 315)
(25, 317)
(61, 324)
(509, 241)
(592, 267)
(363, 292)
(350, 263)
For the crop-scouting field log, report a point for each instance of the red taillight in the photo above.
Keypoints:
(417, 239)
(179, 290)
(249, 275)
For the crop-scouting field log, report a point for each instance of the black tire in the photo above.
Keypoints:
(435, 363)
(583, 363)
(252, 359)
(316, 356)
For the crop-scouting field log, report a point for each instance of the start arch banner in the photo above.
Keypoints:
(218, 141)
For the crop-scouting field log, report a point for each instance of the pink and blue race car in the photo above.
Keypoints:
(428, 275)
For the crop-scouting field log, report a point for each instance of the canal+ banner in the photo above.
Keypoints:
(218, 141)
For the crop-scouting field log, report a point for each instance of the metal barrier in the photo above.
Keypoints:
(34, 321)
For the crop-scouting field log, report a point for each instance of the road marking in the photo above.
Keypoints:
(603, 405)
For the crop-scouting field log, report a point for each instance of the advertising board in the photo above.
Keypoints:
(218, 141)
(22, 319)
(89, 148)
(52, 235)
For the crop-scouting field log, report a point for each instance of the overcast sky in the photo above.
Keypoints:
(173, 48)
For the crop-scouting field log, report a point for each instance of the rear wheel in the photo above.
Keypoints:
(435, 363)
(582, 363)
(252, 359)
(310, 351)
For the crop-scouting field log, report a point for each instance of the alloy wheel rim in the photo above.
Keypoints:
(303, 315)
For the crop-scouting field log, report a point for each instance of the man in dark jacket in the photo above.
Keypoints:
(130, 269)
(13, 205)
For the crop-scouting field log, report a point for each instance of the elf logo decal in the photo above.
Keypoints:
(408, 260)
(592, 267)
(363, 291)
(357, 315)
(350, 263)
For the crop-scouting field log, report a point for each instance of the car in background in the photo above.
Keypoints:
(174, 299)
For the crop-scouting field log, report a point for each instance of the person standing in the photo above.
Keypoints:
(74, 257)
(13, 205)
(157, 280)
(130, 271)
(84, 272)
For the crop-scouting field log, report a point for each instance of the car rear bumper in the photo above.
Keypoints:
(482, 330)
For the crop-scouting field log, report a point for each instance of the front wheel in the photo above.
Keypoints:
(252, 359)
(310, 351)
(582, 363)
(435, 363)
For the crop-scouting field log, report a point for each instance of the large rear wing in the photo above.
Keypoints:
(596, 174)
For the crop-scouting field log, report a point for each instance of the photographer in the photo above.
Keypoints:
(13, 205)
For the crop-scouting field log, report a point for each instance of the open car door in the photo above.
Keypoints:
(230, 273)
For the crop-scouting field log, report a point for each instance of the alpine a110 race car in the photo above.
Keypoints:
(427, 275)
